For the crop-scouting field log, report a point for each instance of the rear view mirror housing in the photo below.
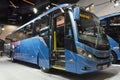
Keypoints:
(76, 13)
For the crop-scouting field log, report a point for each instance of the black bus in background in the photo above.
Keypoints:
(1, 47)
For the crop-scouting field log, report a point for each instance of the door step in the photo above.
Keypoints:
(58, 59)
(58, 67)
(59, 50)
(60, 63)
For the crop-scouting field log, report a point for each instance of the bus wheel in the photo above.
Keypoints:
(113, 57)
(45, 69)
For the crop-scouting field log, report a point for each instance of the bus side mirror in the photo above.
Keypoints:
(76, 13)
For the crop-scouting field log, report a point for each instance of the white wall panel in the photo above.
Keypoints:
(102, 9)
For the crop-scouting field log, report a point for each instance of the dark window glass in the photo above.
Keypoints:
(44, 26)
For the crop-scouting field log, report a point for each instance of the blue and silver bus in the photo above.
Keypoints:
(111, 25)
(65, 37)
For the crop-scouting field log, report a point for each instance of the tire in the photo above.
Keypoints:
(113, 57)
(46, 70)
(38, 62)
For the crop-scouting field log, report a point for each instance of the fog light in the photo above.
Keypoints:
(86, 68)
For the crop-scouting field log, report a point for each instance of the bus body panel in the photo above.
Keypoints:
(26, 50)
(16, 51)
(86, 65)
(30, 49)
(114, 46)
(44, 55)
(70, 60)
(77, 63)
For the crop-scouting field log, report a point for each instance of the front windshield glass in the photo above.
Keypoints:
(89, 31)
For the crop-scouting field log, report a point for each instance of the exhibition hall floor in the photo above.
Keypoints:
(25, 71)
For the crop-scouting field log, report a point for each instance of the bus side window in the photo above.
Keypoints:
(29, 30)
(44, 24)
(69, 37)
(59, 24)
(103, 23)
(68, 27)
(19, 35)
(115, 20)
(37, 26)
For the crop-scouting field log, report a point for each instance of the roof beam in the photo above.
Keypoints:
(31, 3)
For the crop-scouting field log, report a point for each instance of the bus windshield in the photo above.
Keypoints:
(89, 31)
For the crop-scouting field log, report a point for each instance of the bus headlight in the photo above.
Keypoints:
(90, 56)
(84, 53)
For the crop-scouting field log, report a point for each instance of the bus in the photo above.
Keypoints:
(1, 47)
(111, 25)
(65, 37)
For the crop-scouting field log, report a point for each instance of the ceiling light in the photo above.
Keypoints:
(116, 4)
(3, 29)
(47, 7)
(35, 10)
(87, 9)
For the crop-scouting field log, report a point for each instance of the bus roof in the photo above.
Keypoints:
(41, 15)
(109, 15)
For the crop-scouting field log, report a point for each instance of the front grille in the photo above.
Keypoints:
(103, 47)
(103, 66)
(101, 58)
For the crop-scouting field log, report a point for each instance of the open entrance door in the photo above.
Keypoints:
(58, 55)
